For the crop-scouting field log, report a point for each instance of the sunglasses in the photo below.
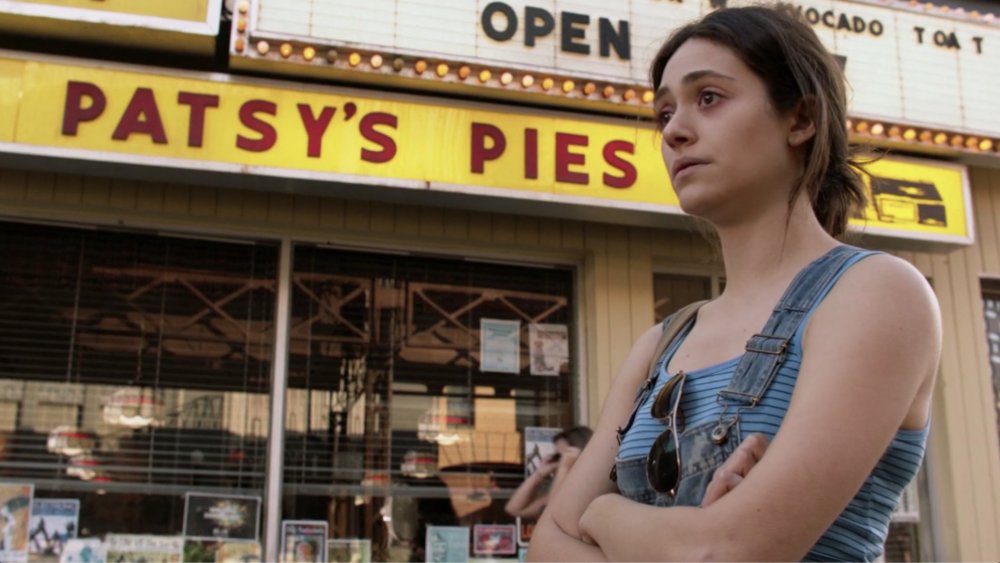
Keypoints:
(663, 464)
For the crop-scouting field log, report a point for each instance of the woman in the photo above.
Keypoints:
(752, 111)
(530, 498)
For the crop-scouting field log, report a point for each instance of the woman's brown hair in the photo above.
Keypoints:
(778, 45)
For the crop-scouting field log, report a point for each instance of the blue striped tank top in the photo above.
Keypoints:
(860, 531)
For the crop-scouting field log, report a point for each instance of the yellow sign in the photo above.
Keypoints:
(185, 10)
(181, 122)
(11, 73)
(918, 198)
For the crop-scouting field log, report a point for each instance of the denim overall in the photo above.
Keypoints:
(704, 447)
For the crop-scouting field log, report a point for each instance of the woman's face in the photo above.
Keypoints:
(726, 148)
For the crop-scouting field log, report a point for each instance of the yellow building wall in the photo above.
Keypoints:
(964, 451)
(615, 296)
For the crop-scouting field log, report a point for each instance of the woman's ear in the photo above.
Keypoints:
(803, 123)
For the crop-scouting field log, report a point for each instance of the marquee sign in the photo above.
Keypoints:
(904, 64)
(177, 25)
(430, 147)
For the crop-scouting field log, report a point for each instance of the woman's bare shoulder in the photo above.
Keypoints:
(885, 280)
(885, 300)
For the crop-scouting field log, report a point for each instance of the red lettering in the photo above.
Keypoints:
(480, 153)
(74, 113)
(368, 131)
(141, 116)
(248, 117)
(316, 127)
(531, 153)
(196, 121)
(628, 177)
(564, 158)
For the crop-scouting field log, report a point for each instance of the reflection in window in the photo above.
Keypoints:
(395, 420)
(991, 309)
(910, 529)
(133, 369)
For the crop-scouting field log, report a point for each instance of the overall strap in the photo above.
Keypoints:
(672, 326)
(766, 351)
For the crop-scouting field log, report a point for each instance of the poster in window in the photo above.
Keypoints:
(500, 346)
(447, 543)
(233, 517)
(141, 548)
(549, 345)
(15, 516)
(11, 390)
(221, 551)
(494, 539)
(238, 552)
(87, 550)
(538, 447)
(350, 550)
(303, 541)
(53, 523)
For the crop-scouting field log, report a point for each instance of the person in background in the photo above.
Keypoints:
(787, 416)
(530, 498)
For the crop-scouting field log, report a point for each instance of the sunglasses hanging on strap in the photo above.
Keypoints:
(671, 328)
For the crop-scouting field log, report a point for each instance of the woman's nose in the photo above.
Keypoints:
(677, 133)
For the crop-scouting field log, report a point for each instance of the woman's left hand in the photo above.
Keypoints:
(731, 473)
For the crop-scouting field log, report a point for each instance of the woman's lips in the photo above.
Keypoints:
(688, 169)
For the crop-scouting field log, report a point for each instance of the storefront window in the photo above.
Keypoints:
(991, 309)
(411, 382)
(910, 530)
(134, 370)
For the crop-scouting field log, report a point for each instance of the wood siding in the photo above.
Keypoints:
(615, 293)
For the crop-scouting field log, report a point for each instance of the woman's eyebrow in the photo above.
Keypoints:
(690, 77)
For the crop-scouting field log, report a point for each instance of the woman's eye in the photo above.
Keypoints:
(664, 117)
(708, 98)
